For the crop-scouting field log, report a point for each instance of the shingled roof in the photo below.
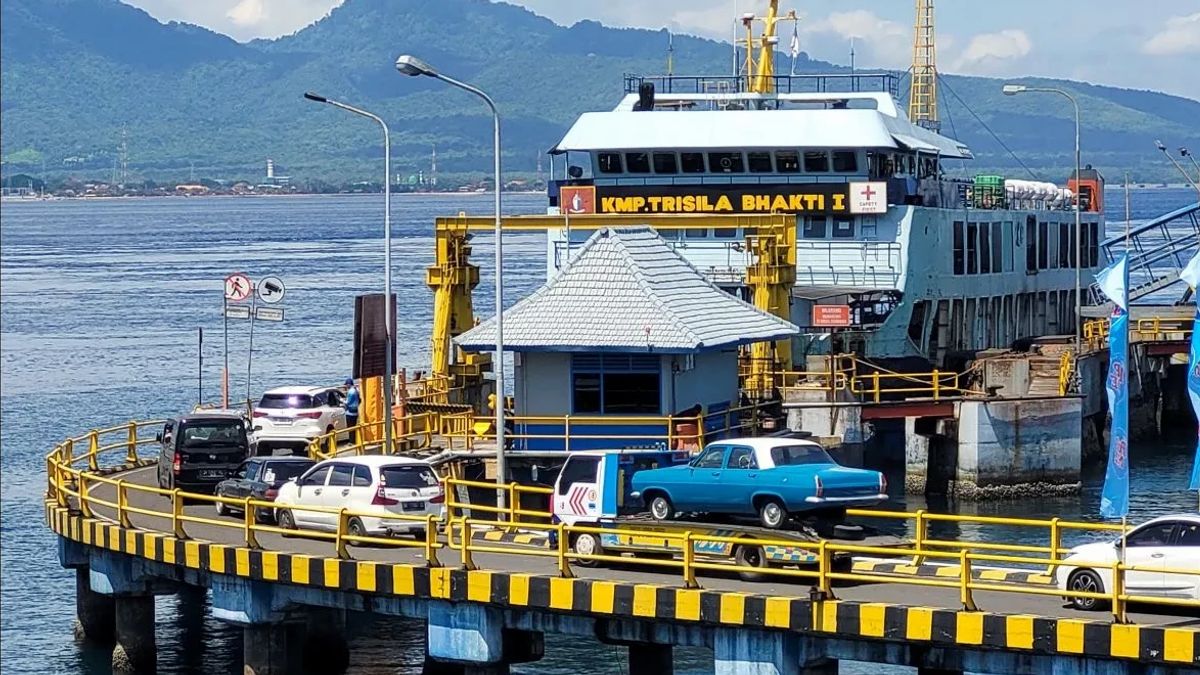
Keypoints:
(627, 290)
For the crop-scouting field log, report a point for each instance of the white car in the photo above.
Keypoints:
(1168, 542)
(371, 484)
(292, 416)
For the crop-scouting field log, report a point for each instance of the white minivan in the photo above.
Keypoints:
(370, 484)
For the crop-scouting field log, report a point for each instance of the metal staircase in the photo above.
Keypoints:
(1158, 252)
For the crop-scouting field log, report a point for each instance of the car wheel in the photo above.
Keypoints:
(661, 508)
(286, 521)
(750, 556)
(355, 528)
(1086, 581)
(222, 510)
(586, 543)
(772, 514)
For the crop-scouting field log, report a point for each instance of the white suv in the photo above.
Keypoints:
(382, 484)
(290, 417)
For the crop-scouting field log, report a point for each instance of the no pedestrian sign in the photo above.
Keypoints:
(238, 287)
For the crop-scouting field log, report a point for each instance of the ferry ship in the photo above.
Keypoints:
(896, 259)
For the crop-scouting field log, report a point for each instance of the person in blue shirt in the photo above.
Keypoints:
(352, 401)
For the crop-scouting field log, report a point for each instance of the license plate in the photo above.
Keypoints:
(414, 506)
(280, 420)
(212, 473)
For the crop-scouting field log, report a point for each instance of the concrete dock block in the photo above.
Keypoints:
(465, 633)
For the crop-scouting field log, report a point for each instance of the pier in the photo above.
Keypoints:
(491, 586)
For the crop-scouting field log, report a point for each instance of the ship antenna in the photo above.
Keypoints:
(670, 53)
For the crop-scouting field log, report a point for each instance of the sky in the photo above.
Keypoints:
(1146, 44)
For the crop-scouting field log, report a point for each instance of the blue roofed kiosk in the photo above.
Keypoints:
(626, 335)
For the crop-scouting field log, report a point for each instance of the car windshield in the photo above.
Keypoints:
(283, 401)
(214, 433)
(795, 455)
(407, 476)
(280, 472)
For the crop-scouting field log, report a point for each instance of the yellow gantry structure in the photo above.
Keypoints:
(923, 97)
(770, 239)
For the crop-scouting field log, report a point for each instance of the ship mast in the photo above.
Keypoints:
(922, 97)
(761, 77)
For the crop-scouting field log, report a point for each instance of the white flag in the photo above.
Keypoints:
(1113, 281)
(795, 45)
(1191, 273)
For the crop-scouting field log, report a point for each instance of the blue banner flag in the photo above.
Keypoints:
(1191, 275)
(1114, 499)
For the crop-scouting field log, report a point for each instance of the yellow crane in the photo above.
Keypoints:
(922, 97)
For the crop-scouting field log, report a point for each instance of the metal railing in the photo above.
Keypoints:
(878, 383)
(1153, 328)
(74, 478)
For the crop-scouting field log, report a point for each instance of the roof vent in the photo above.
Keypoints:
(645, 96)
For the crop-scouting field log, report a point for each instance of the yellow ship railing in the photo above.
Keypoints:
(79, 467)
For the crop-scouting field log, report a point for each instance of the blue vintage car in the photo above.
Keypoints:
(768, 477)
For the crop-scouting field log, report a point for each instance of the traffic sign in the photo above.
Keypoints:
(268, 313)
(237, 312)
(271, 290)
(238, 287)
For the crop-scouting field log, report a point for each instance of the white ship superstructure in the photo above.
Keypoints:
(918, 264)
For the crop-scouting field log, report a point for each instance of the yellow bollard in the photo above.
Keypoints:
(468, 560)
(84, 506)
(1118, 593)
(431, 542)
(123, 504)
(824, 567)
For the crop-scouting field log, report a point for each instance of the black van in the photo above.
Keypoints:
(199, 450)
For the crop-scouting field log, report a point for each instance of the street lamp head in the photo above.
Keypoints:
(1184, 152)
(412, 66)
(315, 97)
(1013, 89)
(1160, 145)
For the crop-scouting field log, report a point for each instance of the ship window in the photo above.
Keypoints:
(696, 232)
(845, 161)
(608, 162)
(637, 162)
(724, 233)
(816, 161)
(1031, 245)
(1074, 245)
(985, 248)
(664, 162)
(997, 248)
(1064, 246)
(759, 162)
(972, 248)
(1093, 245)
(959, 248)
(691, 162)
(787, 161)
(814, 227)
(843, 228)
(726, 162)
(1043, 247)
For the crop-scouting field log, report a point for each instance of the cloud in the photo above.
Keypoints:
(879, 41)
(989, 52)
(1181, 35)
(247, 13)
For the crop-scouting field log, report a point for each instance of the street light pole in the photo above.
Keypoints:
(412, 66)
(1013, 90)
(388, 366)
(1185, 153)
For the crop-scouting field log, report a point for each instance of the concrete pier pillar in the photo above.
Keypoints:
(95, 613)
(751, 652)
(651, 659)
(272, 649)
(135, 651)
(325, 648)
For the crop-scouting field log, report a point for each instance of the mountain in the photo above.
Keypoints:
(81, 75)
